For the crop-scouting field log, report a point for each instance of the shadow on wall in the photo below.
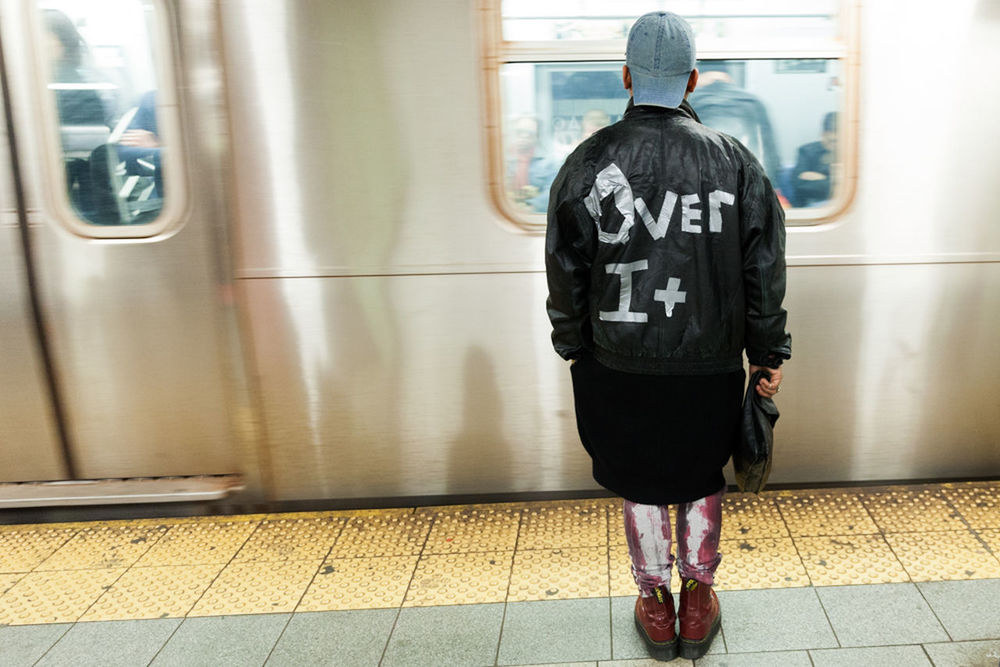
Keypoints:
(479, 455)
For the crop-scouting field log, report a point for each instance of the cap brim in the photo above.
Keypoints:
(659, 91)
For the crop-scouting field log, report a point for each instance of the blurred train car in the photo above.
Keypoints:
(301, 253)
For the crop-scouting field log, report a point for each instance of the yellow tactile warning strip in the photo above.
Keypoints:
(366, 559)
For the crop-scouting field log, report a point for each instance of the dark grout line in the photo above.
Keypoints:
(409, 585)
(52, 645)
(305, 590)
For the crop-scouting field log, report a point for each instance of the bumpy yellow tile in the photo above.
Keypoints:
(850, 559)
(559, 574)
(256, 588)
(565, 524)
(992, 539)
(468, 578)
(291, 539)
(616, 524)
(902, 510)
(54, 597)
(979, 506)
(944, 556)
(821, 513)
(382, 535)
(7, 581)
(22, 548)
(201, 543)
(392, 512)
(622, 581)
(153, 592)
(473, 529)
(359, 583)
(101, 545)
(763, 563)
(749, 516)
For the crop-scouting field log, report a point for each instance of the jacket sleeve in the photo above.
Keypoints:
(763, 238)
(570, 240)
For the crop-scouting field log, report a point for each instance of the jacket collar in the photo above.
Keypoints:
(643, 110)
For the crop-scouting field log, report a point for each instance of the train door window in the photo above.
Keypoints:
(778, 76)
(103, 61)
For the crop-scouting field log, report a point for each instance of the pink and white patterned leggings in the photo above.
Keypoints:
(647, 529)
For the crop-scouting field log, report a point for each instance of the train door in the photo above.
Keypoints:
(116, 297)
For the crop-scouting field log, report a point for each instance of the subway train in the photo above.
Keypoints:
(318, 274)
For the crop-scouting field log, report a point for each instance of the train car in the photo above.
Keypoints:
(293, 250)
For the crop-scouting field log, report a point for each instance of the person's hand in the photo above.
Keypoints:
(139, 139)
(767, 388)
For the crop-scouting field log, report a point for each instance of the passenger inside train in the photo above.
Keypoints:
(722, 103)
(529, 169)
(812, 176)
(109, 132)
(84, 116)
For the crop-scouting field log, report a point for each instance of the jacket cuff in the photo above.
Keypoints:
(770, 360)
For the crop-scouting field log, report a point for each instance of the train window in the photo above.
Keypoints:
(554, 77)
(102, 64)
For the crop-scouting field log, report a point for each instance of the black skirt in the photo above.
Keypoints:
(657, 439)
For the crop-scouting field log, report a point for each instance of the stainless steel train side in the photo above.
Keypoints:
(390, 337)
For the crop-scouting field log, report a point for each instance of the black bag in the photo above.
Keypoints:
(752, 458)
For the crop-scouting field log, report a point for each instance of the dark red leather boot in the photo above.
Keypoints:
(701, 618)
(655, 619)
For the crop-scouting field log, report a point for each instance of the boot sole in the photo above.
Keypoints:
(692, 649)
(664, 651)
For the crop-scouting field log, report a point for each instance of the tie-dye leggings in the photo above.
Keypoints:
(647, 529)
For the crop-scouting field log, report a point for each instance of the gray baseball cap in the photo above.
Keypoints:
(660, 56)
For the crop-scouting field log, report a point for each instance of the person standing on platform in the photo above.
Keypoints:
(664, 253)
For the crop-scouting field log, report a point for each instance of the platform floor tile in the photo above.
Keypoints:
(768, 659)
(965, 654)
(903, 510)
(751, 517)
(935, 556)
(334, 638)
(760, 563)
(54, 597)
(473, 529)
(980, 506)
(850, 559)
(292, 538)
(880, 615)
(109, 644)
(878, 656)
(466, 635)
(25, 644)
(823, 513)
(991, 538)
(7, 581)
(111, 545)
(359, 583)
(968, 610)
(153, 592)
(257, 588)
(446, 579)
(222, 641)
(774, 620)
(555, 631)
(23, 548)
(382, 535)
(564, 525)
(199, 543)
(559, 574)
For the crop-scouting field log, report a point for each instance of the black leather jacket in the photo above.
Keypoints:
(665, 250)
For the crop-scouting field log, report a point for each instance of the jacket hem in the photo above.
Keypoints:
(661, 366)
